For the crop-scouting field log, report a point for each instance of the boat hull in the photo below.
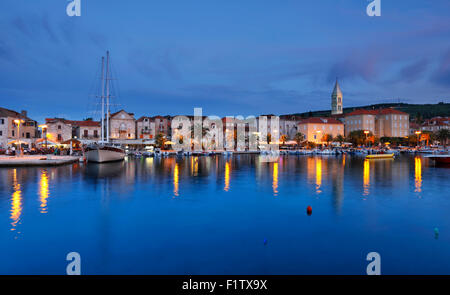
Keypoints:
(103, 155)
(440, 159)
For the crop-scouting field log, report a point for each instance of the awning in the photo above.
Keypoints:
(72, 140)
(41, 141)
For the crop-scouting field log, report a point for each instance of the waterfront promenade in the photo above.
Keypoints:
(36, 160)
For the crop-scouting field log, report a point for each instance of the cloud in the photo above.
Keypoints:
(442, 74)
(413, 71)
(363, 65)
(6, 52)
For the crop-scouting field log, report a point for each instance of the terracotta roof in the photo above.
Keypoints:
(320, 120)
(361, 112)
(375, 112)
(10, 113)
(144, 117)
(86, 123)
(391, 111)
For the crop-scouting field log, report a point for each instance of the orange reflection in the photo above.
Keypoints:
(275, 179)
(418, 174)
(366, 177)
(343, 160)
(43, 191)
(194, 166)
(227, 176)
(318, 175)
(16, 201)
(175, 180)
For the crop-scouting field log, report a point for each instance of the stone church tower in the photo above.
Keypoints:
(336, 100)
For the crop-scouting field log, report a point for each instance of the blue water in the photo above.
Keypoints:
(237, 215)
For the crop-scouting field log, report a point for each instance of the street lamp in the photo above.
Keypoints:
(418, 132)
(17, 121)
(44, 129)
(366, 132)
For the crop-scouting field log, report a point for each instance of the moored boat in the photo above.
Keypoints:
(104, 151)
(380, 156)
(440, 159)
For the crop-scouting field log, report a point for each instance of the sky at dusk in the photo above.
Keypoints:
(229, 57)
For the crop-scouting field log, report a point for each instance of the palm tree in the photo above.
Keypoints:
(299, 137)
(339, 138)
(443, 135)
(283, 139)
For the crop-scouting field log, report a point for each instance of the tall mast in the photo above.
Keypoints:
(103, 101)
(107, 96)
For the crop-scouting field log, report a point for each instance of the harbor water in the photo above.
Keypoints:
(227, 215)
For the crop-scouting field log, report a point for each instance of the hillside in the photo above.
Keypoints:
(423, 111)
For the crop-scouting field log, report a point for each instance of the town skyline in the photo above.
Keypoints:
(225, 57)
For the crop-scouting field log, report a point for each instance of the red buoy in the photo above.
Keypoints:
(309, 210)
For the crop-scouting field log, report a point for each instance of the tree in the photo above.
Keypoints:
(358, 137)
(299, 137)
(443, 135)
(160, 140)
(327, 138)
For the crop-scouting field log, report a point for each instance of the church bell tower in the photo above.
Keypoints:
(336, 100)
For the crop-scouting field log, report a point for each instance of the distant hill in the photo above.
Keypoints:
(421, 111)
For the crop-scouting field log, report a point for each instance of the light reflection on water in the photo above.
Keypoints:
(418, 174)
(16, 201)
(126, 216)
(43, 191)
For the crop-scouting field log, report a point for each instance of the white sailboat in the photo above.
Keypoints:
(104, 151)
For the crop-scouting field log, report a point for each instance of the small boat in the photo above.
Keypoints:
(380, 156)
(440, 159)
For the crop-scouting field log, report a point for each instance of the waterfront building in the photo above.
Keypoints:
(162, 125)
(315, 128)
(289, 125)
(435, 124)
(336, 100)
(382, 123)
(15, 127)
(59, 130)
(145, 128)
(87, 130)
(122, 125)
(360, 120)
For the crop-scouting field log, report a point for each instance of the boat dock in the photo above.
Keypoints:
(37, 160)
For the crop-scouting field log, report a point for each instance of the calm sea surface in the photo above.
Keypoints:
(236, 215)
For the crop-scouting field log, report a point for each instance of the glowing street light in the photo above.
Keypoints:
(366, 132)
(418, 132)
(17, 121)
(44, 129)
